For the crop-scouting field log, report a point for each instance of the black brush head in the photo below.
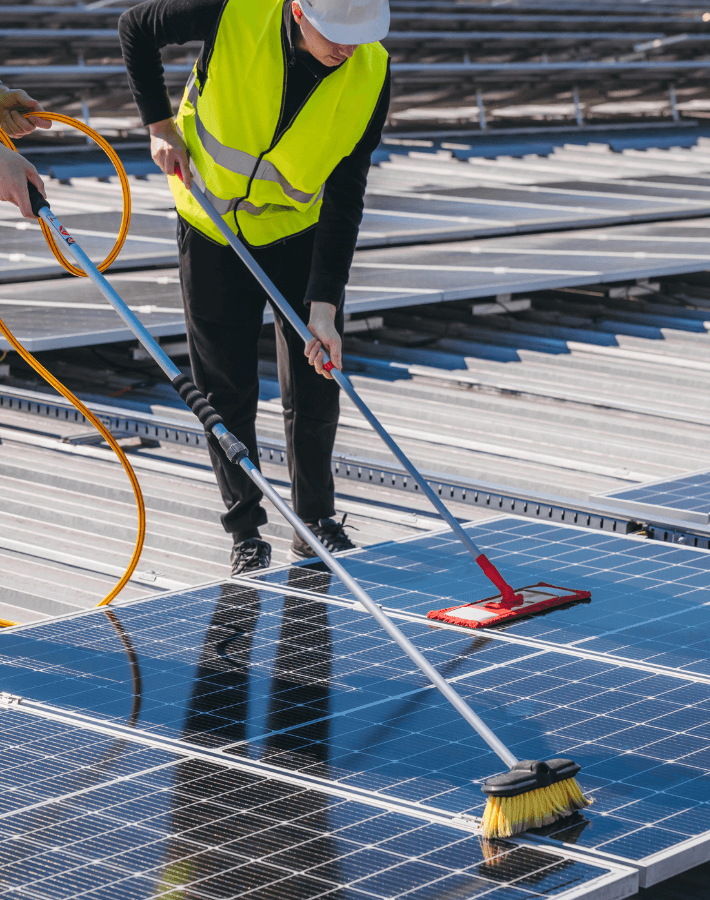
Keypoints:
(529, 775)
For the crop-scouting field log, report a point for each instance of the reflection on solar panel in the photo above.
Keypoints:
(280, 672)
(102, 815)
(686, 498)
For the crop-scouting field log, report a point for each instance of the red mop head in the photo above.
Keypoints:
(494, 610)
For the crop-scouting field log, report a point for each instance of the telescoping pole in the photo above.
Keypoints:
(508, 595)
(237, 453)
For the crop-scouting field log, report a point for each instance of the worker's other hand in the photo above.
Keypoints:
(326, 337)
(168, 150)
(15, 172)
(12, 105)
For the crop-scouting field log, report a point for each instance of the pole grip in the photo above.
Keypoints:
(195, 399)
(37, 201)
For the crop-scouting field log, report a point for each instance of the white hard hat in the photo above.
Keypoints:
(348, 21)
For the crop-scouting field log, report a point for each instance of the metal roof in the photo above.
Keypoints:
(618, 375)
(447, 51)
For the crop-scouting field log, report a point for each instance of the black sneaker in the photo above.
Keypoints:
(250, 555)
(329, 532)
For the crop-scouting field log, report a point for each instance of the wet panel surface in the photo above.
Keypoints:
(317, 689)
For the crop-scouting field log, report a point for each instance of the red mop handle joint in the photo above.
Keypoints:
(508, 596)
(328, 366)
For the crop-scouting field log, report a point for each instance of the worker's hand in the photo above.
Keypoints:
(322, 326)
(12, 122)
(168, 150)
(15, 172)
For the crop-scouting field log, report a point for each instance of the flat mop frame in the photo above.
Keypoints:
(237, 454)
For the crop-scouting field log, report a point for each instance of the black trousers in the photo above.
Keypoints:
(224, 307)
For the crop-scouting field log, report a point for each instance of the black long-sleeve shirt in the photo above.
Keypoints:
(145, 28)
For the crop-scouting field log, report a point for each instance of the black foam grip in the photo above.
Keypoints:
(37, 201)
(205, 412)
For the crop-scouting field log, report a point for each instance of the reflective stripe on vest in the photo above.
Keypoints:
(244, 163)
(226, 206)
(268, 188)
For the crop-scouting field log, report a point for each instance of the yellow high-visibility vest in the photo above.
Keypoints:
(268, 188)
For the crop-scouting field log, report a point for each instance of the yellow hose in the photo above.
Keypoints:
(49, 378)
(120, 171)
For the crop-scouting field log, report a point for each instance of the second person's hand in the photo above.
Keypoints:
(12, 106)
(15, 172)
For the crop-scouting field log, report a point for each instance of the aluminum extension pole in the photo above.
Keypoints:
(417, 658)
(133, 322)
(343, 381)
(172, 371)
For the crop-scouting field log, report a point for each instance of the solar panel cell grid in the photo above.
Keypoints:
(691, 493)
(152, 833)
(258, 674)
(648, 598)
(216, 683)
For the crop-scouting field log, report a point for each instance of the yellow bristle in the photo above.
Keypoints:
(506, 816)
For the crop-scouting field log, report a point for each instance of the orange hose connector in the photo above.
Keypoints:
(54, 382)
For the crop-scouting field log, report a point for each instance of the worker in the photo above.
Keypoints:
(15, 170)
(285, 105)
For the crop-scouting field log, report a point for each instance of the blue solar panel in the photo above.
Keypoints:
(103, 816)
(648, 598)
(315, 688)
(687, 494)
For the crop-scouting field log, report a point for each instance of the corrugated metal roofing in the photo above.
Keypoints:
(578, 395)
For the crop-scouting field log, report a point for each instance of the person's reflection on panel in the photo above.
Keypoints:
(300, 691)
(217, 712)
(296, 731)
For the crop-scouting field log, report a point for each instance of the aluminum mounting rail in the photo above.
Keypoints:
(176, 73)
(78, 75)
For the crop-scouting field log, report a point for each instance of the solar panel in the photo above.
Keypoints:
(310, 685)
(151, 241)
(648, 598)
(686, 498)
(66, 313)
(102, 815)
